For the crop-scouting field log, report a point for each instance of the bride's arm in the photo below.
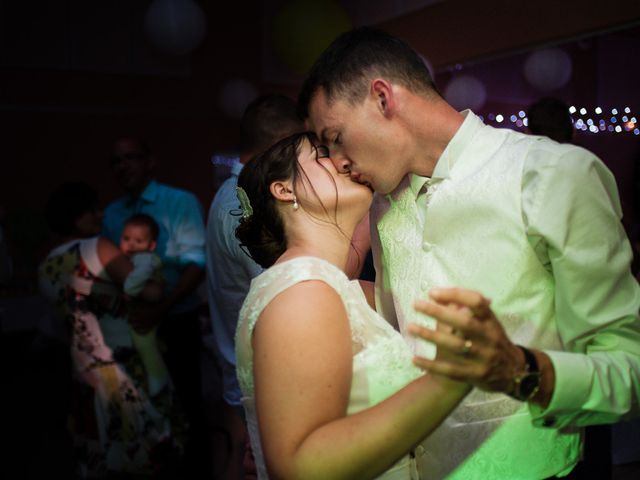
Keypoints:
(302, 370)
(360, 245)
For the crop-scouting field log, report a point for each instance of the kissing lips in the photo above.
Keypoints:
(356, 177)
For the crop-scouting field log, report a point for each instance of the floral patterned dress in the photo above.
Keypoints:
(117, 427)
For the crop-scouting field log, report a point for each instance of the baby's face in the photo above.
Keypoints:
(135, 239)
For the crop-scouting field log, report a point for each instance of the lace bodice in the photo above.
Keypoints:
(381, 360)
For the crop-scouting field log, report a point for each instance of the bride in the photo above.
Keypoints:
(329, 387)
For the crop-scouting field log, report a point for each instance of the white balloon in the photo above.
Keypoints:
(548, 69)
(235, 96)
(175, 26)
(466, 91)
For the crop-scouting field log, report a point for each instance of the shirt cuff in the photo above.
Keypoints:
(572, 387)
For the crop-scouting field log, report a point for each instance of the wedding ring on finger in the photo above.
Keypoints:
(466, 347)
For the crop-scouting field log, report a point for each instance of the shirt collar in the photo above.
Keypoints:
(454, 149)
(457, 144)
(149, 194)
(236, 168)
(416, 183)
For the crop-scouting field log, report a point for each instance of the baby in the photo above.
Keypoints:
(138, 242)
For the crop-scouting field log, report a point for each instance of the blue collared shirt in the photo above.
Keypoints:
(229, 274)
(182, 236)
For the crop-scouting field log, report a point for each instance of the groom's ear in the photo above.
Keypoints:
(282, 190)
(382, 92)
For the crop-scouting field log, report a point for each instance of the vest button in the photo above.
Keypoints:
(426, 246)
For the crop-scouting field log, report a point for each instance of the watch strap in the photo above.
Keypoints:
(523, 388)
(530, 360)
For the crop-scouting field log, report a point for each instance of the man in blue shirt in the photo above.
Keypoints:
(229, 269)
(181, 248)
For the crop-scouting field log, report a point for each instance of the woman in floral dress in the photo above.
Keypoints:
(118, 428)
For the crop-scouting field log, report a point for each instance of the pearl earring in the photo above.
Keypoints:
(295, 202)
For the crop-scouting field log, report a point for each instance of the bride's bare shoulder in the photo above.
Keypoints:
(304, 304)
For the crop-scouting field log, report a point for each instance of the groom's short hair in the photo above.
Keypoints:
(345, 68)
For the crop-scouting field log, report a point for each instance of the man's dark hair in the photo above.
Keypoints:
(348, 64)
(142, 145)
(68, 203)
(144, 220)
(550, 117)
(266, 120)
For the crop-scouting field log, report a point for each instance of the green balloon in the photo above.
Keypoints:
(304, 28)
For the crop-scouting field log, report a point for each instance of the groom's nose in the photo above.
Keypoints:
(342, 164)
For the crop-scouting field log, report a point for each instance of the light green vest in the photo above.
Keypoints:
(470, 233)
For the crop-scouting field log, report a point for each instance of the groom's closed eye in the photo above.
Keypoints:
(323, 151)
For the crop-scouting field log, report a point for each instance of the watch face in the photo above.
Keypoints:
(529, 385)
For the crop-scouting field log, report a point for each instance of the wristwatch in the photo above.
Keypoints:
(527, 383)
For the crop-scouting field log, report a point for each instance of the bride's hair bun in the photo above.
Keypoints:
(262, 233)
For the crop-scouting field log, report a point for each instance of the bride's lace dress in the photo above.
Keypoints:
(381, 359)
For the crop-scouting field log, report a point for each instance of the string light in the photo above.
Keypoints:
(599, 123)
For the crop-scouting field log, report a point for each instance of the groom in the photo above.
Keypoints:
(532, 224)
